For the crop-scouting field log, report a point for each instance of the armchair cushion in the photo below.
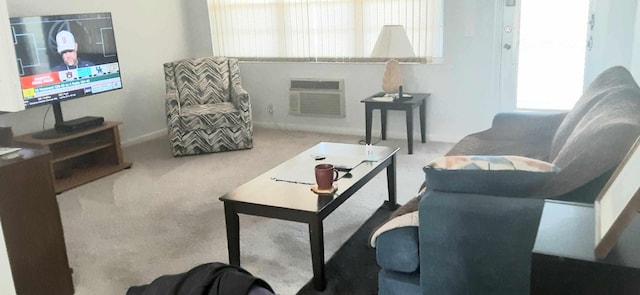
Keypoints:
(202, 80)
(208, 116)
(513, 176)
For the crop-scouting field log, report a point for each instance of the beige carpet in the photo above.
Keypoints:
(163, 215)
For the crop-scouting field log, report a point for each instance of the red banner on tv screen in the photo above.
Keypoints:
(39, 80)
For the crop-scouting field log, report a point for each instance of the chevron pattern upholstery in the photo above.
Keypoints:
(207, 108)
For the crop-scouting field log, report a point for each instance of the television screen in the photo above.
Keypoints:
(63, 57)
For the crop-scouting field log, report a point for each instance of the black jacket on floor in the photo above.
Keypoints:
(206, 279)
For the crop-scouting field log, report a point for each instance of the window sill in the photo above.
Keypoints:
(435, 60)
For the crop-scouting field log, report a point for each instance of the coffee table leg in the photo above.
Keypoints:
(317, 253)
(233, 234)
(391, 184)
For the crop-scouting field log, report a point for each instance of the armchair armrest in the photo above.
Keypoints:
(241, 100)
(476, 244)
(172, 108)
(527, 134)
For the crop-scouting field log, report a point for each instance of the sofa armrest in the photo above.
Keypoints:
(542, 123)
(398, 250)
(527, 134)
(476, 244)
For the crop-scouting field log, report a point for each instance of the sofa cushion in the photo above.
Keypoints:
(614, 82)
(597, 133)
(512, 176)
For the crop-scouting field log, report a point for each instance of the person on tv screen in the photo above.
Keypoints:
(68, 49)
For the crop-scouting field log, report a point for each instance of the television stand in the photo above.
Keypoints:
(67, 128)
(50, 134)
(80, 157)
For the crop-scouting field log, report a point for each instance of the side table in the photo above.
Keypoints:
(418, 100)
(33, 237)
(563, 262)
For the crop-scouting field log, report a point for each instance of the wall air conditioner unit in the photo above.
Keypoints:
(315, 97)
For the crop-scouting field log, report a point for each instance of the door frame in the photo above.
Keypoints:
(508, 58)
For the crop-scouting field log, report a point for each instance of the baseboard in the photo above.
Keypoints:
(144, 137)
(355, 131)
(306, 128)
(312, 128)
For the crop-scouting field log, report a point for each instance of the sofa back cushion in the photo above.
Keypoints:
(595, 135)
(611, 82)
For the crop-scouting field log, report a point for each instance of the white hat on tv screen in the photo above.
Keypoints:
(65, 41)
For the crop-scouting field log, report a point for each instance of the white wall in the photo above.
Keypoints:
(635, 58)
(10, 94)
(148, 34)
(463, 97)
(614, 37)
(463, 87)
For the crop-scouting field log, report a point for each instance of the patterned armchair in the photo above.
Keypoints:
(207, 108)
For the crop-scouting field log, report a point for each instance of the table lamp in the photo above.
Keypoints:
(392, 42)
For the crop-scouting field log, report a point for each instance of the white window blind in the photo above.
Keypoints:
(321, 30)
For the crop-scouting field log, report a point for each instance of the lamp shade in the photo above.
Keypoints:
(392, 42)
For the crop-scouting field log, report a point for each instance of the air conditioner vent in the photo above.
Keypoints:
(315, 84)
(315, 97)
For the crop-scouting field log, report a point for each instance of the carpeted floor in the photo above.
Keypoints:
(352, 270)
(163, 215)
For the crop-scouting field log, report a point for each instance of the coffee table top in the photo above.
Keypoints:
(288, 185)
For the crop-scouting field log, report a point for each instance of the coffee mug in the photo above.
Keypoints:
(325, 176)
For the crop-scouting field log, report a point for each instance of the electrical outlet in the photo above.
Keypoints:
(270, 109)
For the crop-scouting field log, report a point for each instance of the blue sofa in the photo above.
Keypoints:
(480, 243)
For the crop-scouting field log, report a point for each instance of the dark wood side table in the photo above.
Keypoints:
(563, 261)
(31, 225)
(418, 101)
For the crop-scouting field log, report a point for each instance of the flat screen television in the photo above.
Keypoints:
(63, 57)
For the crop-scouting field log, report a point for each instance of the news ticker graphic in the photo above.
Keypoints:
(54, 82)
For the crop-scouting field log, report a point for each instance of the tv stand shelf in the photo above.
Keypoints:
(81, 157)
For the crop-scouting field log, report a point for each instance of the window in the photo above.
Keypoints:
(321, 30)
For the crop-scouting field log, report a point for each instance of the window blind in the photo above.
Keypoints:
(321, 30)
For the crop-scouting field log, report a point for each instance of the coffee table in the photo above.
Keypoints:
(284, 193)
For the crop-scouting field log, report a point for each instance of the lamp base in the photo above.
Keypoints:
(392, 78)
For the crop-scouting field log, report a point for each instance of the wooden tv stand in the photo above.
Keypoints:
(81, 157)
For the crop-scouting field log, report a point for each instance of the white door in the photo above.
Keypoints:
(543, 53)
